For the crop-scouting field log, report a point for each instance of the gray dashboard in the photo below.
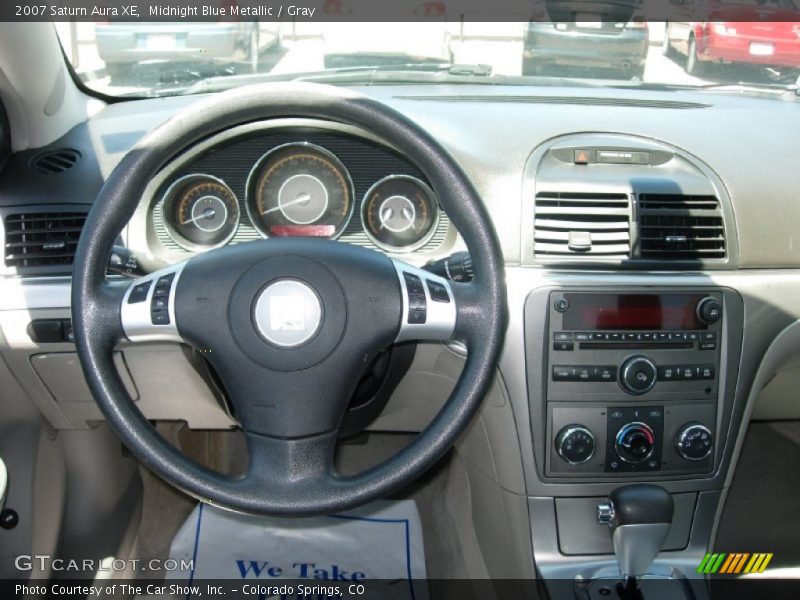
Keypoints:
(493, 134)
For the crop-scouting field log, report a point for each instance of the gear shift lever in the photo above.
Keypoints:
(639, 516)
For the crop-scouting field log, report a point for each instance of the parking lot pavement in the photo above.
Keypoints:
(662, 69)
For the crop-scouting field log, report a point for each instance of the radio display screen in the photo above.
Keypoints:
(611, 312)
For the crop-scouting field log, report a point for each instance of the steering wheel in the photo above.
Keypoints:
(288, 324)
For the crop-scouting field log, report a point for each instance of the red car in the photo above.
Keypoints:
(758, 32)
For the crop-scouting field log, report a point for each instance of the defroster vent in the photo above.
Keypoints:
(580, 224)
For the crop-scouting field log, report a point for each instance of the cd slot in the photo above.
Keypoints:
(634, 345)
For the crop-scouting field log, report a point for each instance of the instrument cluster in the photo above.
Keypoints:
(295, 189)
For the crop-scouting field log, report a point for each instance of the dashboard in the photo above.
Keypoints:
(651, 252)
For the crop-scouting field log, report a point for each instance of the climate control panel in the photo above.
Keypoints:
(628, 440)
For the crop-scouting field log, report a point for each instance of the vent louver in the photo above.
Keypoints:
(42, 239)
(582, 224)
(55, 161)
(680, 227)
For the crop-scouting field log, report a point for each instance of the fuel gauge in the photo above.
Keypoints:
(400, 213)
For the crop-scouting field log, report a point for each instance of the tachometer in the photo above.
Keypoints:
(400, 213)
(200, 212)
(300, 190)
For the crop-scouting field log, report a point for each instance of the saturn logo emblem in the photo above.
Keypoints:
(288, 313)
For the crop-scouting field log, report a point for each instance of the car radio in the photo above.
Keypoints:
(632, 381)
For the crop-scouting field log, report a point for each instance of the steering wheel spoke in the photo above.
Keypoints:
(290, 467)
(147, 310)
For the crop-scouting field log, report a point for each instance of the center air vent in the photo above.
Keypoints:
(582, 224)
(680, 227)
(42, 239)
(55, 161)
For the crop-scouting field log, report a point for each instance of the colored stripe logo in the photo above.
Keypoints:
(732, 563)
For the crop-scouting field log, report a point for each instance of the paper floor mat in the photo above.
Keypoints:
(379, 541)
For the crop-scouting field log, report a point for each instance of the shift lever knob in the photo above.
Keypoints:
(639, 517)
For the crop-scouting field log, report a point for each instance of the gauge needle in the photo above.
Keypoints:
(385, 216)
(299, 200)
(209, 213)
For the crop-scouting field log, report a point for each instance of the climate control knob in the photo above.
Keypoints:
(635, 442)
(694, 441)
(637, 375)
(575, 444)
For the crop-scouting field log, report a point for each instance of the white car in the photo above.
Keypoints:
(376, 44)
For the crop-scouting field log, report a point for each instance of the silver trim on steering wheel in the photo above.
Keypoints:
(137, 316)
(437, 319)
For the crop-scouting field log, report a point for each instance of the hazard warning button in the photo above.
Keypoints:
(583, 156)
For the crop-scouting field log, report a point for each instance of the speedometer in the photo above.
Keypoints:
(300, 189)
(400, 213)
(200, 212)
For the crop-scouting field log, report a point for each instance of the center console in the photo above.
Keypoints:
(632, 382)
(628, 383)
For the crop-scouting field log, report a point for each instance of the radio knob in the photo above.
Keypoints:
(635, 442)
(694, 441)
(709, 311)
(575, 444)
(638, 375)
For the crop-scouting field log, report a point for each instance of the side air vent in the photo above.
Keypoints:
(582, 224)
(55, 161)
(42, 239)
(678, 227)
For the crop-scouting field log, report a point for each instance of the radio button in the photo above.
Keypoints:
(707, 345)
(688, 373)
(583, 336)
(662, 336)
(584, 374)
(561, 346)
(615, 336)
(648, 336)
(629, 337)
(692, 336)
(708, 335)
(606, 374)
(599, 336)
(706, 371)
(562, 336)
(638, 375)
(563, 373)
(667, 373)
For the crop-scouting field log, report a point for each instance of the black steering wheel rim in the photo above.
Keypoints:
(481, 318)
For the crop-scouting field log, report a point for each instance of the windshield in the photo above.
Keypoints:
(133, 59)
